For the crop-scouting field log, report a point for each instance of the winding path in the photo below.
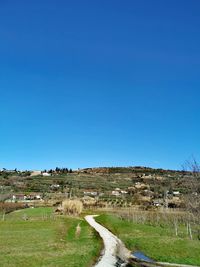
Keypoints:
(111, 243)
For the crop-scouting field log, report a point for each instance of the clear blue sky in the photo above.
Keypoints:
(99, 83)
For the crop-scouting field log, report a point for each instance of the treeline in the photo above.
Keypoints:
(58, 170)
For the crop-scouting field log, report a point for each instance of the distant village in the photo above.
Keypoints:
(144, 187)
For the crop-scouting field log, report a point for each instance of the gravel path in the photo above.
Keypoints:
(111, 243)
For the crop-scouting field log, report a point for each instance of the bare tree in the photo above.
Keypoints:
(192, 180)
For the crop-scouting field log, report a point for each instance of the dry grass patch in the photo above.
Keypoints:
(72, 207)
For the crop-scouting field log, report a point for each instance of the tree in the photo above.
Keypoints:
(57, 169)
(192, 180)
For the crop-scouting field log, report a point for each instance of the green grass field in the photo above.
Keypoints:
(156, 242)
(45, 240)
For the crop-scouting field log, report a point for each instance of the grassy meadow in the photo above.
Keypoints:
(35, 237)
(157, 242)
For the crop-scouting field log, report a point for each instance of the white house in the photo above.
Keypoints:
(115, 193)
(46, 174)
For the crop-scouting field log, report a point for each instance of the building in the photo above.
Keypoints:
(46, 174)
